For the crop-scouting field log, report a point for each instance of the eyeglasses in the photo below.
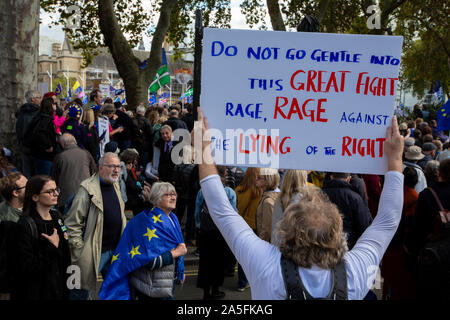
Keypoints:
(52, 192)
(173, 194)
(112, 166)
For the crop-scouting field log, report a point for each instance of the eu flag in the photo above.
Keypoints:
(443, 117)
(58, 89)
(152, 99)
(146, 236)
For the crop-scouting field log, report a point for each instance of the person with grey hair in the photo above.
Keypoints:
(95, 222)
(432, 172)
(24, 116)
(174, 122)
(150, 277)
(72, 159)
(313, 261)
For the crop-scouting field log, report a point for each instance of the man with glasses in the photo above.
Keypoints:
(95, 223)
(12, 189)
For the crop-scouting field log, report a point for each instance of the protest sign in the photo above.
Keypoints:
(299, 100)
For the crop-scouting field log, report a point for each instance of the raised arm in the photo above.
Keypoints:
(251, 252)
(363, 260)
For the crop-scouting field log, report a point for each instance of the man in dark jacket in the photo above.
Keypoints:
(124, 137)
(355, 213)
(24, 116)
(188, 117)
(174, 122)
(142, 141)
(429, 150)
(426, 221)
(165, 145)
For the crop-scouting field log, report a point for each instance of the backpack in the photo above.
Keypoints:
(434, 261)
(206, 222)
(296, 290)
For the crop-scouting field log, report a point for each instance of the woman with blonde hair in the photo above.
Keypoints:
(248, 195)
(293, 183)
(268, 180)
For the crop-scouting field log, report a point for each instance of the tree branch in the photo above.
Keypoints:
(323, 9)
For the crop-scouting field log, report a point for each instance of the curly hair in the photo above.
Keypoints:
(311, 231)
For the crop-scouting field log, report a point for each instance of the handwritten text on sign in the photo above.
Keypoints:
(299, 100)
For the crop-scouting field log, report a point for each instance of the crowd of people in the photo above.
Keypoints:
(290, 233)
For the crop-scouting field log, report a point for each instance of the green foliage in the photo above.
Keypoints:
(134, 21)
(215, 13)
(88, 38)
(424, 25)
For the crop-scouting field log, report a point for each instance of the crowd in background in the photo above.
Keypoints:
(73, 155)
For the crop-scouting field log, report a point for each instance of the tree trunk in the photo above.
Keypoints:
(19, 49)
(275, 15)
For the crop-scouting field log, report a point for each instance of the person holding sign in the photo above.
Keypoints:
(313, 242)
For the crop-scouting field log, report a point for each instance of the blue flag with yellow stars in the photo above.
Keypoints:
(443, 117)
(146, 236)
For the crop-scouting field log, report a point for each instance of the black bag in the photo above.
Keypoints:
(206, 222)
(296, 290)
(434, 262)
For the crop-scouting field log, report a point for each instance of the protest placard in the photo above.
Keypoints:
(299, 100)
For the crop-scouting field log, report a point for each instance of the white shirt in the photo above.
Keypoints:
(261, 261)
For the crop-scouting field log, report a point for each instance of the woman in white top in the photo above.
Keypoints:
(261, 260)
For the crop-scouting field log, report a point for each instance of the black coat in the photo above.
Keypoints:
(144, 137)
(188, 118)
(40, 269)
(427, 221)
(24, 116)
(166, 165)
(175, 124)
(43, 136)
(355, 213)
(129, 127)
(134, 203)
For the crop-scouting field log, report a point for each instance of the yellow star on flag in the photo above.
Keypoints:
(134, 252)
(115, 257)
(150, 234)
(156, 218)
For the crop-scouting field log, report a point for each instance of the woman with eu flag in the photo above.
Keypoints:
(150, 254)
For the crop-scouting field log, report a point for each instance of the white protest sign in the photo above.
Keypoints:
(299, 100)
